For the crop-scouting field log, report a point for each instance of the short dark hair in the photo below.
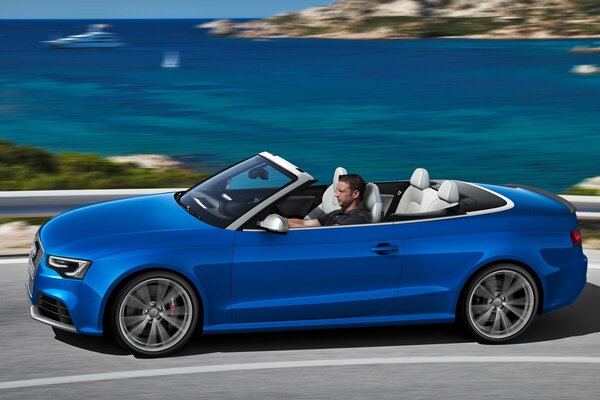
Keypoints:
(355, 182)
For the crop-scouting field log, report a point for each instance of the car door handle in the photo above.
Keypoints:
(385, 248)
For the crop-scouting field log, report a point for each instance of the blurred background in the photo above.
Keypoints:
(485, 110)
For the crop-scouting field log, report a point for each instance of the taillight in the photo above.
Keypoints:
(576, 237)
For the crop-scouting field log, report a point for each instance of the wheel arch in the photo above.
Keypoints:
(107, 326)
(474, 273)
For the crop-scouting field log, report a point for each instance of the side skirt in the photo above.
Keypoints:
(329, 323)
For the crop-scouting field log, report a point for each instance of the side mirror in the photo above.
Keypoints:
(275, 223)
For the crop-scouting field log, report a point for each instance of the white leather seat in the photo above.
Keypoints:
(372, 203)
(419, 195)
(329, 202)
(447, 196)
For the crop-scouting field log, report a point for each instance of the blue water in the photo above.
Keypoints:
(484, 111)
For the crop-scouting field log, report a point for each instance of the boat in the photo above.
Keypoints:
(585, 69)
(585, 49)
(170, 59)
(95, 37)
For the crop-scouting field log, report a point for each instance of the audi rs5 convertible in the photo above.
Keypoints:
(220, 257)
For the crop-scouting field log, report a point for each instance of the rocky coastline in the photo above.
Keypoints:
(150, 161)
(412, 19)
(590, 183)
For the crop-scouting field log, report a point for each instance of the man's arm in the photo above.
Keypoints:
(303, 223)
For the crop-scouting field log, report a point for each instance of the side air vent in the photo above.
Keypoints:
(53, 309)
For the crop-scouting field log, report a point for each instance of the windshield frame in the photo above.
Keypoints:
(296, 175)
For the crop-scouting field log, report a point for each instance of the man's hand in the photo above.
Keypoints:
(303, 223)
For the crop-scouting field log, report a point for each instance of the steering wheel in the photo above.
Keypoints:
(232, 208)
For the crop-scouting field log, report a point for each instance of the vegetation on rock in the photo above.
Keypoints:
(394, 19)
(30, 168)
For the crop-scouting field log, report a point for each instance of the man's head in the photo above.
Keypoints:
(349, 191)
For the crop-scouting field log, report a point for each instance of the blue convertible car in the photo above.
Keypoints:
(221, 258)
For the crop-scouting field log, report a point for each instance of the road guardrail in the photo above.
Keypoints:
(588, 207)
(47, 203)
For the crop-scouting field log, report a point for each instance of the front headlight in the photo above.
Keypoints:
(69, 267)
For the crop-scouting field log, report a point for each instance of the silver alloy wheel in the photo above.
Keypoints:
(155, 314)
(501, 304)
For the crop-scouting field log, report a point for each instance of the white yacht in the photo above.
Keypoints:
(585, 69)
(94, 37)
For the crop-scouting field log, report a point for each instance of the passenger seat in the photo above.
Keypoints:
(447, 196)
(419, 196)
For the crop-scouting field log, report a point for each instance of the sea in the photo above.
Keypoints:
(488, 111)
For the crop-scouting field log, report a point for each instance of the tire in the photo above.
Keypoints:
(155, 314)
(499, 304)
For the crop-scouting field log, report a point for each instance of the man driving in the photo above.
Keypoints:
(348, 192)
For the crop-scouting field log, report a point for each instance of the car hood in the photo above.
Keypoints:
(123, 225)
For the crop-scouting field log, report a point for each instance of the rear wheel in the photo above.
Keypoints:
(155, 314)
(500, 303)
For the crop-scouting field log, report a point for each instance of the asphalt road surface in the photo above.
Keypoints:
(559, 357)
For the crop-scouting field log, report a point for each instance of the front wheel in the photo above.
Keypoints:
(500, 303)
(155, 314)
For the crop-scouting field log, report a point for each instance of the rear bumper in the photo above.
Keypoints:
(566, 284)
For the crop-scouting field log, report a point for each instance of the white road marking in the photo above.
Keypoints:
(594, 266)
(289, 364)
(13, 261)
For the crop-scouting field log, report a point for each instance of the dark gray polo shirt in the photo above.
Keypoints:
(339, 217)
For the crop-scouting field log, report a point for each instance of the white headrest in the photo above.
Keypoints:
(448, 192)
(420, 178)
(336, 177)
(372, 203)
(371, 195)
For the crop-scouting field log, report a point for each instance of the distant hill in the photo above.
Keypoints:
(397, 19)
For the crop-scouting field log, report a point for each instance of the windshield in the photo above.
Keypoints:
(226, 196)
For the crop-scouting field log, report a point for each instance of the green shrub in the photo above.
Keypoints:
(33, 158)
(591, 7)
(436, 27)
(372, 23)
(284, 19)
(429, 26)
(582, 191)
(313, 30)
(576, 29)
(29, 168)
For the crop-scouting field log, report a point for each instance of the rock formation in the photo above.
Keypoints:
(396, 19)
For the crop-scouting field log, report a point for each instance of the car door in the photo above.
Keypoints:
(315, 273)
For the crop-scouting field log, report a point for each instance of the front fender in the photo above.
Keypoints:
(207, 269)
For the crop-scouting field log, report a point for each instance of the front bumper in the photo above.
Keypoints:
(65, 297)
(37, 315)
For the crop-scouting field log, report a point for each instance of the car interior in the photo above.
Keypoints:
(415, 199)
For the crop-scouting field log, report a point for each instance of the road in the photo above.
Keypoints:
(558, 357)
